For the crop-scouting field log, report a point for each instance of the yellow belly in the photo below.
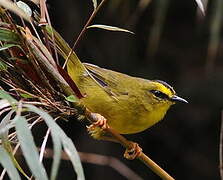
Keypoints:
(124, 115)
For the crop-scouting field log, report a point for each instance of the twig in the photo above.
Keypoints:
(128, 145)
(83, 31)
(220, 148)
(43, 20)
(96, 159)
(111, 162)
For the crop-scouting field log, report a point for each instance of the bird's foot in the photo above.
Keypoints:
(133, 152)
(100, 122)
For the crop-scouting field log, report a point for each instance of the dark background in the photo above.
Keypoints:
(186, 142)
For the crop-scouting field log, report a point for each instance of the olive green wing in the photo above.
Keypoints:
(110, 80)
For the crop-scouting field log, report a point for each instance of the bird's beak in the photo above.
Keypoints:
(178, 99)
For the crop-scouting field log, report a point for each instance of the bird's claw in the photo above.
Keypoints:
(133, 152)
(100, 122)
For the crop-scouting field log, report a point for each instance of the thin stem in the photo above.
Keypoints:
(84, 30)
(142, 157)
(53, 38)
(43, 20)
(154, 167)
(220, 147)
(128, 145)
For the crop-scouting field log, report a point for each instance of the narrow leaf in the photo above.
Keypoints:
(7, 146)
(7, 46)
(55, 137)
(4, 103)
(6, 162)
(8, 36)
(202, 5)
(5, 121)
(71, 98)
(66, 141)
(71, 151)
(28, 148)
(95, 4)
(10, 99)
(27, 96)
(5, 125)
(110, 28)
(214, 45)
(3, 66)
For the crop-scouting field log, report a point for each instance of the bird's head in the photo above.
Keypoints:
(161, 96)
(164, 93)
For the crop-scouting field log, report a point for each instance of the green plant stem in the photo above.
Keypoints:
(84, 30)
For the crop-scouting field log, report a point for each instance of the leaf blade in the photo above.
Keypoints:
(28, 148)
(110, 28)
(202, 4)
(71, 98)
(66, 141)
(95, 4)
(7, 46)
(6, 162)
(8, 36)
(10, 99)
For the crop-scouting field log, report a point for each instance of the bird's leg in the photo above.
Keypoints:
(98, 131)
(133, 152)
(100, 122)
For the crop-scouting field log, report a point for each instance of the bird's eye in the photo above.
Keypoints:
(159, 94)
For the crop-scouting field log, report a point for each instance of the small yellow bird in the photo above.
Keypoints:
(129, 104)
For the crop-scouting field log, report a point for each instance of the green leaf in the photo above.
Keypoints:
(28, 148)
(27, 96)
(55, 137)
(95, 4)
(10, 99)
(7, 46)
(6, 162)
(7, 146)
(4, 104)
(71, 151)
(110, 28)
(3, 125)
(68, 145)
(3, 66)
(71, 98)
(8, 36)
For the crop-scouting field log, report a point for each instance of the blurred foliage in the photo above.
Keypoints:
(29, 76)
(186, 143)
(173, 42)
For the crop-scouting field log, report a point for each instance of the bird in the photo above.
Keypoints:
(129, 104)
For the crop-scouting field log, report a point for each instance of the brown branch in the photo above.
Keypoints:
(96, 159)
(43, 8)
(128, 145)
(111, 162)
